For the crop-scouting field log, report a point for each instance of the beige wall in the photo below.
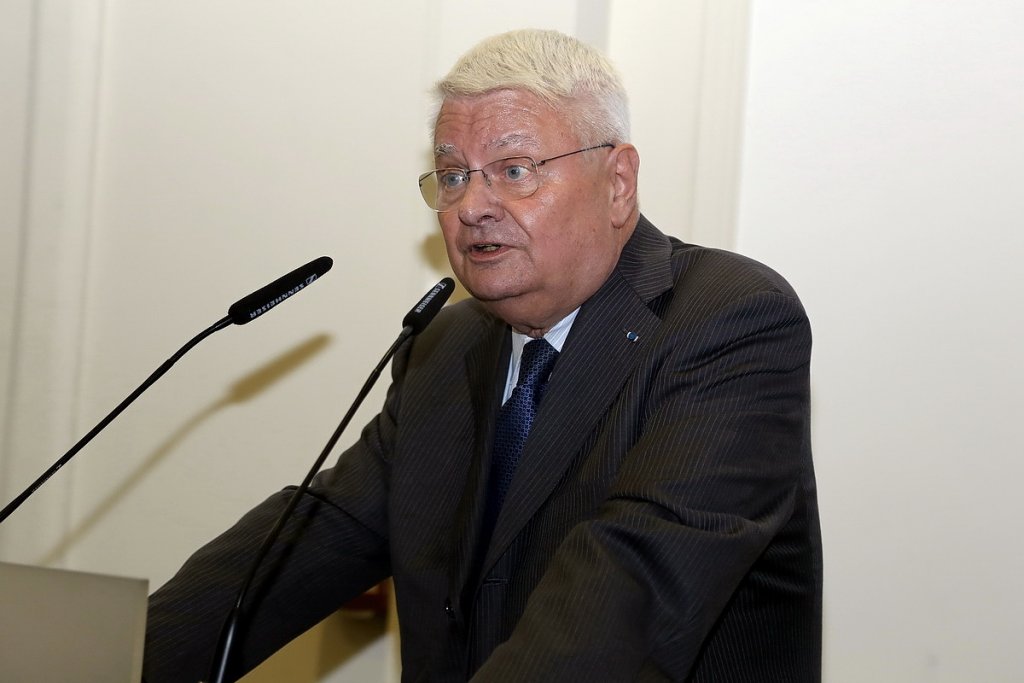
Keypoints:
(882, 174)
(160, 160)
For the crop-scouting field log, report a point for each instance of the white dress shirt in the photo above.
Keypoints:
(555, 336)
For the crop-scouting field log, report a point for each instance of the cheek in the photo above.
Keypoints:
(585, 250)
(555, 233)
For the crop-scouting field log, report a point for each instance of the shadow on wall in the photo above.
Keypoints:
(244, 389)
(434, 254)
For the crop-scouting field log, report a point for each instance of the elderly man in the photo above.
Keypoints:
(597, 469)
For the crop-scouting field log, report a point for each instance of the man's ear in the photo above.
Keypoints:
(624, 162)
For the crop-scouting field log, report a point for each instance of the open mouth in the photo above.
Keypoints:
(486, 248)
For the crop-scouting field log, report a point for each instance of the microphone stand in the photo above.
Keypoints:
(229, 632)
(413, 323)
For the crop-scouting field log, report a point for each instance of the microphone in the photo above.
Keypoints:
(242, 311)
(415, 321)
(423, 312)
(250, 307)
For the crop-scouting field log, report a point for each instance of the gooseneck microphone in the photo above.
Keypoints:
(420, 315)
(250, 307)
(244, 310)
(414, 322)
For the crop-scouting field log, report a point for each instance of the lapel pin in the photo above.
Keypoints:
(631, 336)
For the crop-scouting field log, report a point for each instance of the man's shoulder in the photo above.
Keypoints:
(707, 279)
(651, 252)
(696, 264)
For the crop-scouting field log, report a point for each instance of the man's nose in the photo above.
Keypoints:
(479, 201)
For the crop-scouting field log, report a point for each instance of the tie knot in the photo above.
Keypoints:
(538, 360)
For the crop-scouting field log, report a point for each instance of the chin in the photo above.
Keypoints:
(520, 312)
(493, 292)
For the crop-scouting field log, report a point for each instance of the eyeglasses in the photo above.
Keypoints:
(509, 179)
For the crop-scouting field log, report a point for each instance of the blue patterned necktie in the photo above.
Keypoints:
(514, 422)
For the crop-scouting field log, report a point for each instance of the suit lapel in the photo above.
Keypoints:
(485, 363)
(607, 341)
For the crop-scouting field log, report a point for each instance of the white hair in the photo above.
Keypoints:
(559, 69)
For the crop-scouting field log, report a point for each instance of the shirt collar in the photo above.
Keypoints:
(555, 336)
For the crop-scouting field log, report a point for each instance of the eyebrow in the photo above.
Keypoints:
(446, 149)
(517, 139)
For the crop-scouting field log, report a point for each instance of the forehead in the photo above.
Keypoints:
(511, 121)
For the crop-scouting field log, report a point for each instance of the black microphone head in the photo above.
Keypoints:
(262, 300)
(417, 319)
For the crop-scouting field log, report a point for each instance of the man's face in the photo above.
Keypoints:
(533, 260)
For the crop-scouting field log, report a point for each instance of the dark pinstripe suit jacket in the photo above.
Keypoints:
(662, 524)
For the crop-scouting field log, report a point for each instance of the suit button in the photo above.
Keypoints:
(453, 620)
(449, 611)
